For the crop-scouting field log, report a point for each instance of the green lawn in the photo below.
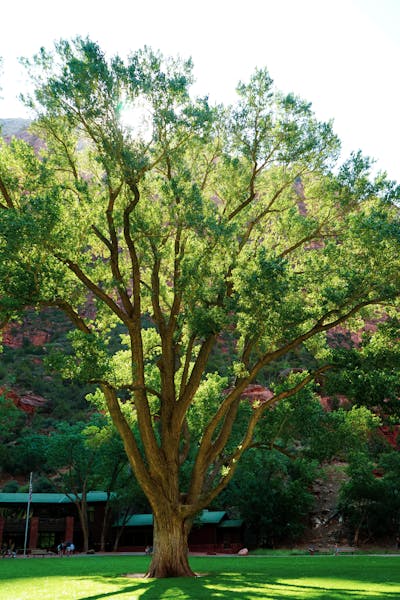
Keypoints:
(236, 578)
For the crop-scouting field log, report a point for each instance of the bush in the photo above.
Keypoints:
(43, 485)
(11, 487)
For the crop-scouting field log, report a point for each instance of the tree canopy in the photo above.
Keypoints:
(190, 226)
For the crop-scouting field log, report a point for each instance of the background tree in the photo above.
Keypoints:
(205, 224)
(112, 474)
(369, 501)
(76, 454)
(276, 502)
(11, 424)
(368, 368)
(127, 500)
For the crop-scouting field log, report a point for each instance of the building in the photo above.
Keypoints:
(212, 532)
(53, 518)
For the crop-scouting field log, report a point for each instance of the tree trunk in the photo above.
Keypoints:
(118, 537)
(85, 534)
(170, 547)
(104, 528)
(83, 517)
(358, 529)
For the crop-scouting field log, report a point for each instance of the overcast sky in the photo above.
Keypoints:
(341, 55)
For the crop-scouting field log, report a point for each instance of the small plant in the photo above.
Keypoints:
(11, 487)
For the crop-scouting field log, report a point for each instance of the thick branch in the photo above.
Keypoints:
(319, 327)
(155, 296)
(65, 147)
(112, 197)
(204, 454)
(186, 442)
(90, 285)
(142, 388)
(299, 243)
(188, 391)
(143, 475)
(132, 250)
(6, 195)
(102, 238)
(73, 315)
(112, 246)
(179, 248)
(219, 444)
(232, 462)
(242, 206)
(188, 358)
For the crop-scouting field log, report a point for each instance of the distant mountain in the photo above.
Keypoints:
(19, 128)
(14, 127)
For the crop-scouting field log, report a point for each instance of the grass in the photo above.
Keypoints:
(281, 552)
(328, 551)
(234, 578)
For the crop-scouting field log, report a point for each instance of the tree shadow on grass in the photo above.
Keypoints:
(232, 587)
(302, 578)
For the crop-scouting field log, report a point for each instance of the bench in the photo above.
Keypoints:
(40, 552)
(344, 550)
(329, 550)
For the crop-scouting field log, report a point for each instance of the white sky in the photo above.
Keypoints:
(342, 55)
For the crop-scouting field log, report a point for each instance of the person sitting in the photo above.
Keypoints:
(69, 548)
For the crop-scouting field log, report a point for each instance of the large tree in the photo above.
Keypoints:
(188, 228)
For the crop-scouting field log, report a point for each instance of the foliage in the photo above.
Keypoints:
(369, 372)
(202, 224)
(11, 422)
(344, 432)
(370, 500)
(300, 426)
(272, 492)
(10, 487)
(28, 453)
(83, 458)
(43, 485)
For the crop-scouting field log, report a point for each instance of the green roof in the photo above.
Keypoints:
(98, 496)
(22, 498)
(211, 516)
(137, 521)
(231, 523)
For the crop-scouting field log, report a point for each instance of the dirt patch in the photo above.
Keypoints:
(143, 575)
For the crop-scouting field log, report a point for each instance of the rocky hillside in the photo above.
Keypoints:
(11, 127)
(19, 128)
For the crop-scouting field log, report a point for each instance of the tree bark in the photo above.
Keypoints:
(105, 525)
(83, 517)
(170, 546)
(118, 537)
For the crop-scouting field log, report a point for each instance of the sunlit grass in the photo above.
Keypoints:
(222, 578)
